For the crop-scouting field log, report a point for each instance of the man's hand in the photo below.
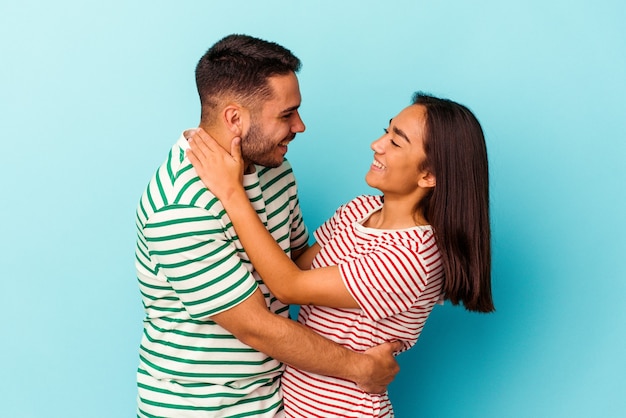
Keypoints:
(384, 367)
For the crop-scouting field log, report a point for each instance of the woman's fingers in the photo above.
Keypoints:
(235, 149)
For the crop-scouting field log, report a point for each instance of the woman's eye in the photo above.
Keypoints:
(391, 139)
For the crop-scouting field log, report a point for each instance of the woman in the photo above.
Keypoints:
(381, 262)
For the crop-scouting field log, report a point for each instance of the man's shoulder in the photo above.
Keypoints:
(279, 179)
(175, 184)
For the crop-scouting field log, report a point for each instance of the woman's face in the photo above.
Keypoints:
(398, 155)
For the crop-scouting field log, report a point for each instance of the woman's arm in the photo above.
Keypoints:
(221, 173)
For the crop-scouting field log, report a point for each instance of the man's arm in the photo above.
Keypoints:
(294, 344)
(202, 269)
(303, 259)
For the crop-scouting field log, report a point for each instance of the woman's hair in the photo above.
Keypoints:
(238, 67)
(458, 207)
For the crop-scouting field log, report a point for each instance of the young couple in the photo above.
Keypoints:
(212, 260)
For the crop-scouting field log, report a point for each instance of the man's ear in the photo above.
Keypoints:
(236, 119)
(427, 180)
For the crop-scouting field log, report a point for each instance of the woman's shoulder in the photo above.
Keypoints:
(369, 202)
(359, 207)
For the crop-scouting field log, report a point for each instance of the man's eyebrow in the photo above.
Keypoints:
(290, 109)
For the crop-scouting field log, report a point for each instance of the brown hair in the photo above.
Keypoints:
(238, 67)
(458, 207)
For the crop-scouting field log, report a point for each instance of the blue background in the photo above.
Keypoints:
(93, 94)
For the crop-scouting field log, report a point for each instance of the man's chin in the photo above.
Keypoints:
(269, 163)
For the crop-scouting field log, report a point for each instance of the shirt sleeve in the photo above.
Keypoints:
(299, 235)
(354, 211)
(387, 280)
(193, 253)
(326, 231)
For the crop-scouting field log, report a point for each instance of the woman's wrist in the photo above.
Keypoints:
(234, 197)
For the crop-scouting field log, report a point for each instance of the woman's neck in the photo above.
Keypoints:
(396, 214)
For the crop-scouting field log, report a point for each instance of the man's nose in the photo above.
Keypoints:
(298, 125)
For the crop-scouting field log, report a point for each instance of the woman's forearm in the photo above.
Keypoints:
(277, 270)
(288, 282)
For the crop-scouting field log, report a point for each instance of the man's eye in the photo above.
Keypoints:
(287, 116)
(393, 143)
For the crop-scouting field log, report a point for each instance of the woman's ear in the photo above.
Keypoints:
(236, 119)
(427, 180)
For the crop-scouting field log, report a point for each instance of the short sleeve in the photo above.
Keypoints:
(326, 231)
(192, 252)
(387, 280)
(299, 237)
(299, 234)
(354, 211)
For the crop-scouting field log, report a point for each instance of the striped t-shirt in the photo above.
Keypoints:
(396, 278)
(190, 266)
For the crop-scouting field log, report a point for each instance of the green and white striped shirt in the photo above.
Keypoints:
(190, 266)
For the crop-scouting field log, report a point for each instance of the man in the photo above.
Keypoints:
(211, 347)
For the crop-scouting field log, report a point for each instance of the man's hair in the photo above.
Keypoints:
(458, 207)
(237, 68)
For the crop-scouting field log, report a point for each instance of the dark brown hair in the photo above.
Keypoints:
(458, 207)
(238, 67)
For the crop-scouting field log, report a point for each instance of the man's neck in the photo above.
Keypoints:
(249, 168)
(225, 142)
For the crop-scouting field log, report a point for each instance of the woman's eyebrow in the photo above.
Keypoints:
(401, 133)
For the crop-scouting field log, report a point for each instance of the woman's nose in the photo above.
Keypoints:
(377, 146)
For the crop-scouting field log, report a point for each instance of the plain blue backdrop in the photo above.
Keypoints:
(93, 94)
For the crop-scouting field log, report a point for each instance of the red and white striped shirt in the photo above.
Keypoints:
(395, 276)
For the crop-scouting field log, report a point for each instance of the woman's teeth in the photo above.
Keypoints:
(378, 165)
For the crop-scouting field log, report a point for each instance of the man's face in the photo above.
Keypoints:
(275, 124)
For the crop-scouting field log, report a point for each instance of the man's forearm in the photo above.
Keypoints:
(296, 345)
(302, 348)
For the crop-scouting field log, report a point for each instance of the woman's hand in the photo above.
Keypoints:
(221, 172)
